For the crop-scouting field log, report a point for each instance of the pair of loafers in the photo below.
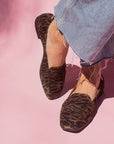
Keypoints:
(78, 109)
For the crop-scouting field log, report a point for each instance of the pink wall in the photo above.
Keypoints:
(26, 115)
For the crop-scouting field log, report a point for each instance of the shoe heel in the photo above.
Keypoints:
(36, 26)
(40, 21)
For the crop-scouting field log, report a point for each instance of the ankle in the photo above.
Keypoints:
(53, 32)
(93, 74)
(55, 36)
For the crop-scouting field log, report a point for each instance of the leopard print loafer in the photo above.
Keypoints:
(53, 78)
(78, 110)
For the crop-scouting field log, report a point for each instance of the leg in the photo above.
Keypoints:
(89, 81)
(55, 48)
(56, 53)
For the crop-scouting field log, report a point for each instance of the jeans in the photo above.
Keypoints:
(88, 27)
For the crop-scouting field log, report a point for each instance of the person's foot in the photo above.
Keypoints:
(89, 81)
(56, 46)
(78, 109)
(52, 73)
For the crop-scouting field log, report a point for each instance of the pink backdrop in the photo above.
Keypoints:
(26, 115)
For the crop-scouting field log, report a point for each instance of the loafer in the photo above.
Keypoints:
(53, 78)
(78, 110)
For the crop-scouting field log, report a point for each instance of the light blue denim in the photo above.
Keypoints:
(88, 27)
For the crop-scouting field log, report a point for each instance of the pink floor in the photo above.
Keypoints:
(26, 115)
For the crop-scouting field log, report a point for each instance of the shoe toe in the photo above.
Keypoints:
(76, 112)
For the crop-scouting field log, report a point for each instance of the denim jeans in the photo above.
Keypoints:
(88, 27)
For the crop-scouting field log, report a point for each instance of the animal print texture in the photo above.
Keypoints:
(53, 78)
(78, 109)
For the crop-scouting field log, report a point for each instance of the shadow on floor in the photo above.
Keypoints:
(72, 72)
(108, 74)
